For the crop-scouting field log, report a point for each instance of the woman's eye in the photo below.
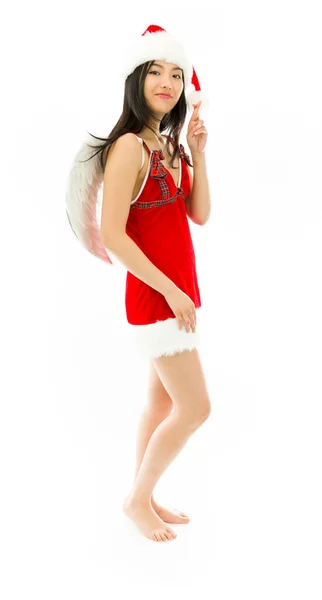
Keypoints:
(176, 74)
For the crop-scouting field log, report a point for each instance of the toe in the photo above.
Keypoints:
(173, 533)
(181, 514)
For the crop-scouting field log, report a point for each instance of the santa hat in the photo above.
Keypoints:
(156, 43)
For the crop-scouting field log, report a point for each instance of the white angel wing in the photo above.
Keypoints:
(84, 191)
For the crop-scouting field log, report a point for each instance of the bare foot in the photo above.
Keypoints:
(169, 516)
(147, 520)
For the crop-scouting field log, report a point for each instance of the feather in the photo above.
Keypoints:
(84, 192)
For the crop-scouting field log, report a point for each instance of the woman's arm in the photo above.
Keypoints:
(122, 167)
(198, 203)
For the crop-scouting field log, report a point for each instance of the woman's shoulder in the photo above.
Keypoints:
(125, 147)
(129, 138)
(127, 142)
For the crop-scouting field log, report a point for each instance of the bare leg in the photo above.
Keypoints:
(183, 379)
(148, 517)
(151, 417)
(159, 405)
(149, 421)
(164, 445)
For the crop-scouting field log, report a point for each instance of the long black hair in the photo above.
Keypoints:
(136, 113)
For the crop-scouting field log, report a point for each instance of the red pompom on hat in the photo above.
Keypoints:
(156, 43)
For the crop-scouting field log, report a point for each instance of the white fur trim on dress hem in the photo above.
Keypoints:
(164, 338)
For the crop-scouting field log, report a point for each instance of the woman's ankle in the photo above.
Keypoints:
(136, 499)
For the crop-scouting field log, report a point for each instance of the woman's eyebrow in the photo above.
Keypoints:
(162, 67)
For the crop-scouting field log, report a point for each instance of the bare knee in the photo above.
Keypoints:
(183, 378)
(205, 409)
(195, 415)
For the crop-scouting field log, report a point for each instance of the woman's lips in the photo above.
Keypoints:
(164, 96)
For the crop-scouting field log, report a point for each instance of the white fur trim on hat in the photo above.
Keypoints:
(157, 45)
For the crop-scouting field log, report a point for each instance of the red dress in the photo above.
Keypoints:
(158, 224)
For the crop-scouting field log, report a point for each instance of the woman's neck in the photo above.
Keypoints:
(152, 135)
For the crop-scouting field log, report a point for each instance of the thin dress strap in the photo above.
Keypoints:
(140, 141)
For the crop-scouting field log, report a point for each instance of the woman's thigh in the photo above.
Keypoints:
(183, 378)
(158, 397)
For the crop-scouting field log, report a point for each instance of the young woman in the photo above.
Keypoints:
(149, 193)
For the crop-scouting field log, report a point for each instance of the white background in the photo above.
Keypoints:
(72, 387)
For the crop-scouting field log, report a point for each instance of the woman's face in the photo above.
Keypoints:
(166, 78)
